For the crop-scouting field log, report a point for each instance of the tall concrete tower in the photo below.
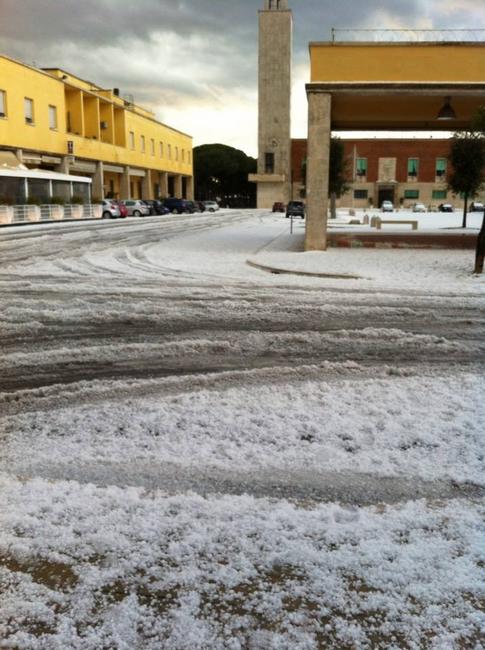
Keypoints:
(274, 104)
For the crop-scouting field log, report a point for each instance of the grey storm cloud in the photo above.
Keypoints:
(227, 29)
(118, 21)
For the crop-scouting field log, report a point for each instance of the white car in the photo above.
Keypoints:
(419, 207)
(136, 208)
(111, 209)
(211, 206)
(387, 206)
(477, 206)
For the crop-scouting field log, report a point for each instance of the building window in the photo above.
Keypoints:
(152, 145)
(52, 117)
(161, 149)
(132, 140)
(269, 163)
(441, 167)
(169, 151)
(439, 194)
(29, 110)
(188, 157)
(183, 155)
(360, 194)
(361, 166)
(411, 194)
(3, 103)
(176, 153)
(142, 143)
(413, 167)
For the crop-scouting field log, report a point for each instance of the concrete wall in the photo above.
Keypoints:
(427, 62)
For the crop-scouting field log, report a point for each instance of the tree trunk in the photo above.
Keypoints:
(465, 208)
(333, 206)
(480, 252)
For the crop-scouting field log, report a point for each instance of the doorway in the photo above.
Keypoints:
(385, 194)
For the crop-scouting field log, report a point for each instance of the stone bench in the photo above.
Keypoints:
(410, 222)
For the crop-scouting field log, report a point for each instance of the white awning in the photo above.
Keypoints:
(43, 174)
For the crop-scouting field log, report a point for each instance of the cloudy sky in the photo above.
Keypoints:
(194, 62)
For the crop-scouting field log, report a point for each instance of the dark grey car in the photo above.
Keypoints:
(295, 209)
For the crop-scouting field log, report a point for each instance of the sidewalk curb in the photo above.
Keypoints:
(276, 270)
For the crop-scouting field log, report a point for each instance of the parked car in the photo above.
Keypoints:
(113, 209)
(211, 206)
(149, 206)
(200, 205)
(477, 206)
(136, 208)
(419, 207)
(295, 209)
(387, 206)
(156, 206)
(278, 206)
(445, 207)
(191, 206)
(176, 206)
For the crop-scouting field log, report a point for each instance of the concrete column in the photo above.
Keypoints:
(63, 167)
(319, 121)
(125, 184)
(178, 186)
(97, 187)
(163, 184)
(190, 188)
(146, 185)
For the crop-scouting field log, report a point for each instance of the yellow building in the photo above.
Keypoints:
(53, 120)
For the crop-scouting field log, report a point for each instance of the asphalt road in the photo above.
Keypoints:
(86, 304)
(58, 293)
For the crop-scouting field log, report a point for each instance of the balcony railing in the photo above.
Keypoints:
(408, 35)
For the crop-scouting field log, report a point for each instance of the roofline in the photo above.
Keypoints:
(468, 88)
(30, 67)
(86, 81)
(396, 43)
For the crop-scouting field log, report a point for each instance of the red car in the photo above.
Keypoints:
(278, 206)
(122, 208)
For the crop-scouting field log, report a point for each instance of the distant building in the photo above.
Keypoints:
(51, 119)
(404, 171)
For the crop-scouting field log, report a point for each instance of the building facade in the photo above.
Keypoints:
(274, 99)
(404, 171)
(51, 119)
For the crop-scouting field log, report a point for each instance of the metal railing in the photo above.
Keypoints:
(47, 212)
(408, 35)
